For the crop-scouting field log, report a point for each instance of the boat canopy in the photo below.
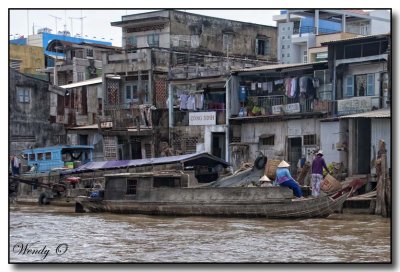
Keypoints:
(203, 159)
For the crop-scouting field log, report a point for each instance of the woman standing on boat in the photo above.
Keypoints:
(283, 178)
(317, 167)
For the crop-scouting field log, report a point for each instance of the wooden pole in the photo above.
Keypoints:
(383, 192)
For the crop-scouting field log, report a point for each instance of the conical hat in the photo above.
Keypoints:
(264, 178)
(283, 164)
(320, 152)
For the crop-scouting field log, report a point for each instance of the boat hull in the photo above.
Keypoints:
(294, 209)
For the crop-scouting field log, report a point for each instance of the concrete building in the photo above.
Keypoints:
(297, 29)
(29, 111)
(277, 109)
(361, 86)
(79, 73)
(194, 53)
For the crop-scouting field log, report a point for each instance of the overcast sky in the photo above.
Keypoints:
(96, 23)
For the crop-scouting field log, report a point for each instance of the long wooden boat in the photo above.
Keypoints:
(168, 193)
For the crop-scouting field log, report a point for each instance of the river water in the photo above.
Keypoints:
(53, 234)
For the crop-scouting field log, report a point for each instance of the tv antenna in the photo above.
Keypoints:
(78, 18)
(56, 18)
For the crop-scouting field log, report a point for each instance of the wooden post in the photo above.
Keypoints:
(383, 199)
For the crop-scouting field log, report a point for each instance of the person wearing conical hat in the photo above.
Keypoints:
(283, 178)
(265, 181)
(317, 167)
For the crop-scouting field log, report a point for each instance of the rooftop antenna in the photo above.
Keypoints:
(80, 18)
(55, 18)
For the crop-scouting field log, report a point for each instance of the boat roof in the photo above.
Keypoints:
(171, 173)
(56, 147)
(202, 159)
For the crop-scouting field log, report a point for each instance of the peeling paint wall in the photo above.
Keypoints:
(29, 121)
(206, 33)
(251, 132)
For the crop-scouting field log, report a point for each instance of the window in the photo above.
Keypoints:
(310, 139)
(283, 37)
(131, 94)
(23, 95)
(283, 28)
(32, 157)
(349, 86)
(153, 40)
(89, 52)
(288, 55)
(305, 57)
(283, 46)
(166, 182)
(48, 155)
(131, 42)
(288, 28)
(283, 55)
(262, 46)
(81, 76)
(268, 140)
(131, 185)
(370, 84)
(40, 156)
(288, 46)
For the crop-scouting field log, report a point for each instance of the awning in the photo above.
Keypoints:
(92, 81)
(382, 113)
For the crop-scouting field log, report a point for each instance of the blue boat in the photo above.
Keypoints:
(45, 159)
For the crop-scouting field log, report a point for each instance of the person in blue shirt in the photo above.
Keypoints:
(283, 178)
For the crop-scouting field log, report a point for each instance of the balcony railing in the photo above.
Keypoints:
(313, 30)
(280, 105)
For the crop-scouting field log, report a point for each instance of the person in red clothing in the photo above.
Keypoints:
(316, 173)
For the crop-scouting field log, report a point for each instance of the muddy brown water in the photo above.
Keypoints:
(54, 234)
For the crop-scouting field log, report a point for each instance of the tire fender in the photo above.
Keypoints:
(260, 162)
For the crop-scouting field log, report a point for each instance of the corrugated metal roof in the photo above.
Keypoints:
(355, 38)
(275, 66)
(382, 113)
(91, 81)
(200, 159)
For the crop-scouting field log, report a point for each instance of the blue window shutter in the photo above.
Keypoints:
(371, 84)
(350, 86)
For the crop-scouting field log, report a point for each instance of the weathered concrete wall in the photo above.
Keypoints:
(29, 121)
(32, 57)
(251, 132)
(206, 33)
(330, 136)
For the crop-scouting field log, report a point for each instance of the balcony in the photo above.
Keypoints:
(126, 115)
(280, 105)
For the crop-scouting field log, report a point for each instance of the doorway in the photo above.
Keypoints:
(363, 145)
(218, 145)
(136, 150)
(294, 154)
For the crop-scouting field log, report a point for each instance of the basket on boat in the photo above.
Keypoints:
(270, 168)
(330, 184)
